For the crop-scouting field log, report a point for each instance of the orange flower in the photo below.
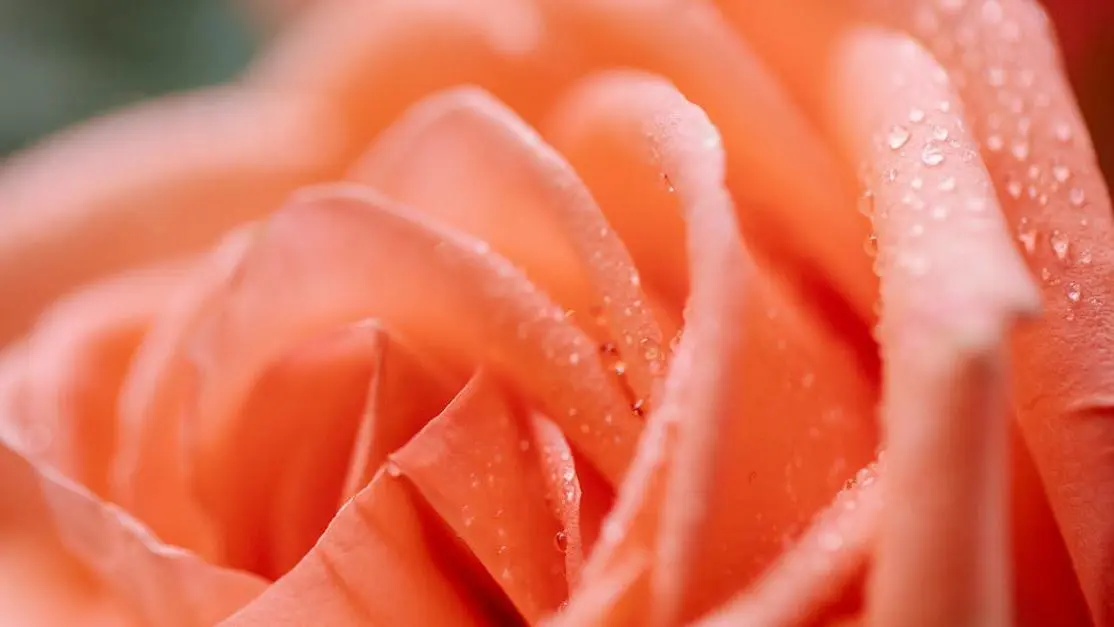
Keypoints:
(566, 318)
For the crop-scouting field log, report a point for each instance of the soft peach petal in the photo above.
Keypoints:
(942, 555)
(406, 392)
(382, 561)
(106, 568)
(270, 476)
(474, 465)
(149, 183)
(1002, 57)
(467, 161)
(75, 360)
(811, 575)
(149, 471)
(371, 59)
(339, 254)
(739, 531)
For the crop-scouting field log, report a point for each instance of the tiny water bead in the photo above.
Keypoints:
(947, 184)
(898, 137)
(995, 143)
(1061, 173)
(932, 155)
(1059, 242)
(561, 541)
(1074, 292)
(1077, 196)
(916, 115)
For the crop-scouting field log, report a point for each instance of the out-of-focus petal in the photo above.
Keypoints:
(474, 466)
(339, 254)
(384, 560)
(75, 360)
(270, 476)
(464, 159)
(101, 559)
(372, 58)
(160, 180)
(149, 471)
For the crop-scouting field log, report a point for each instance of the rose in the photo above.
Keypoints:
(181, 390)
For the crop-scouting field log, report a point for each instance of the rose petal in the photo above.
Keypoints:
(791, 365)
(526, 53)
(271, 476)
(473, 464)
(75, 360)
(382, 561)
(1002, 57)
(149, 183)
(406, 392)
(942, 556)
(149, 472)
(342, 253)
(818, 567)
(463, 158)
(105, 568)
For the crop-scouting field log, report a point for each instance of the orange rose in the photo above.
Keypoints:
(580, 331)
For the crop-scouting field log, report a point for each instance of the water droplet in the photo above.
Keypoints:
(1020, 149)
(620, 368)
(944, 106)
(994, 143)
(574, 359)
(916, 230)
(1077, 196)
(939, 212)
(1034, 172)
(635, 280)
(1062, 132)
(1028, 239)
(865, 204)
(917, 183)
(561, 541)
(1046, 275)
(1061, 173)
(1074, 293)
(939, 133)
(1014, 189)
(931, 155)
(1059, 242)
(889, 175)
(947, 184)
(898, 137)
(916, 115)
(393, 469)
(870, 245)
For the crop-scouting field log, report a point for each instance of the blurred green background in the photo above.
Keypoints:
(65, 60)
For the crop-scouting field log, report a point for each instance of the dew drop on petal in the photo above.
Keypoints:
(931, 155)
(1059, 242)
(1077, 196)
(994, 143)
(898, 137)
(939, 133)
(1014, 189)
(1061, 173)
(947, 184)
(916, 115)
(1062, 132)
(1074, 293)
